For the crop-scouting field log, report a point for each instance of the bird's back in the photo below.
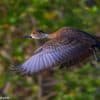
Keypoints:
(66, 35)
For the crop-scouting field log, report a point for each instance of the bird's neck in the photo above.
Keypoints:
(52, 35)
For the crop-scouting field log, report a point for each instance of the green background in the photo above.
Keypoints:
(20, 17)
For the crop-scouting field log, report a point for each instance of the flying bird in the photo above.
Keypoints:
(67, 46)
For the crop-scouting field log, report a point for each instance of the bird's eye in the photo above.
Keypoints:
(40, 31)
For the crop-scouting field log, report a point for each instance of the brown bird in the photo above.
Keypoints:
(67, 46)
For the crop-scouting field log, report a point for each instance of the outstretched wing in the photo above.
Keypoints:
(49, 56)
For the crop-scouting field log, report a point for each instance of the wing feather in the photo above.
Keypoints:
(51, 60)
(36, 65)
(47, 61)
(49, 57)
(42, 64)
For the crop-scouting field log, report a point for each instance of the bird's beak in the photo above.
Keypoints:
(36, 36)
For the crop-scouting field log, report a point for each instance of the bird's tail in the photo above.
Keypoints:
(98, 42)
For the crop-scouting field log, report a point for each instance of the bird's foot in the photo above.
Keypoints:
(98, 59)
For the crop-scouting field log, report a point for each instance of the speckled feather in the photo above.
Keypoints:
(68, 46)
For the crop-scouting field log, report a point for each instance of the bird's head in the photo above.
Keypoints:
(37, 34)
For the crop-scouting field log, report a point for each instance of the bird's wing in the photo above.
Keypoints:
(49, 56)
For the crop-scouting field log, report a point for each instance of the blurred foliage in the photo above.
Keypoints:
(20, 17)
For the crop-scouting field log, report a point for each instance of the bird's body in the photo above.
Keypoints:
(66, 46)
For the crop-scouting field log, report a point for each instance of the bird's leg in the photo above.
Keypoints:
(95, 56)
(46, 83)
(61, 66)
(95, 63)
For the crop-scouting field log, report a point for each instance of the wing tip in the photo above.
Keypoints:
(17, 69)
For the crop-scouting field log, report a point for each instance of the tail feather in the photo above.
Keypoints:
(97, 42)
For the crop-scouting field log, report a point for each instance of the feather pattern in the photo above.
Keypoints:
(70, 46)
(49, 57)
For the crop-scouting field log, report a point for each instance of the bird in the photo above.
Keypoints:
(67, 46)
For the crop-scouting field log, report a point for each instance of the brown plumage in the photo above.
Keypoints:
(66, 46)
